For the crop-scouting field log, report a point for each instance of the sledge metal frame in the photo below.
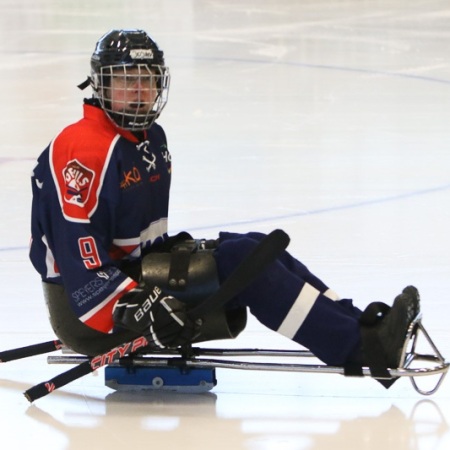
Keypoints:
(196, 357)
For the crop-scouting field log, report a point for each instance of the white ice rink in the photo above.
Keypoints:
(329, 119)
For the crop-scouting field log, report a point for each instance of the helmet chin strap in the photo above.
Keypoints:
(82, 86)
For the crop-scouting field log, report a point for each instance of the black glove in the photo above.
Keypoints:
(162, 319)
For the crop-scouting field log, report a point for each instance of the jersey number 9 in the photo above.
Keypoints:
(89, 253)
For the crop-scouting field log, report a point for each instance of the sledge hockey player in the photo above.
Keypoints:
(110, 271)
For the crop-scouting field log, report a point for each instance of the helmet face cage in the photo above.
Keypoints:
(129, 78)
(132, 95)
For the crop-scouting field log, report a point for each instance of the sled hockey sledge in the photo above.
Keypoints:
(130, 365)
(193, 369)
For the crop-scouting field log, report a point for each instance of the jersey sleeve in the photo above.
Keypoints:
(73, 224)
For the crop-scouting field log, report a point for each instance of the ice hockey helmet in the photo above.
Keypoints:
(115, 54)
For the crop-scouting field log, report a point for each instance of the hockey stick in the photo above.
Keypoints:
(30, 350)
(267, 250)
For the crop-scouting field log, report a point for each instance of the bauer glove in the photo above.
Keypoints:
(161, 318)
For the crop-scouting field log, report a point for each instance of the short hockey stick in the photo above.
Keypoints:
(266, 252)
(30, 350)
(91, 365)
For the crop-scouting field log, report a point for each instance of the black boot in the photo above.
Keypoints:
(384, 331)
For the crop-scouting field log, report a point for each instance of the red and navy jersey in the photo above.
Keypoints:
(100, 196)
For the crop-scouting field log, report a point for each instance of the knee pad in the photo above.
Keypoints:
(189, 273)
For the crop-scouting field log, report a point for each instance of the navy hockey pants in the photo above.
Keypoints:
(289, 299)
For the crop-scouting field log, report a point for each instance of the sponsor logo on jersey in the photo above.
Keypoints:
(78, 183)
(167, 157)
(130, 178)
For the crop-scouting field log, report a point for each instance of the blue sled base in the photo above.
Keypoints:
(126, 378)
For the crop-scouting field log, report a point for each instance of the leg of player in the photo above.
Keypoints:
(285, 302)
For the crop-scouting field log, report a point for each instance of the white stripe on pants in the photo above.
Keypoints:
(299, 311)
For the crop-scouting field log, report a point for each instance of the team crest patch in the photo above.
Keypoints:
(78, 183)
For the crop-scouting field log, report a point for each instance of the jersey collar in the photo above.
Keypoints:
(93, 112)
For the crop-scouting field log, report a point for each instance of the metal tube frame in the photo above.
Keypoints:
(200, 358)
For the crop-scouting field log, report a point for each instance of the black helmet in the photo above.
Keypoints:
(130, 62)
(122, 47)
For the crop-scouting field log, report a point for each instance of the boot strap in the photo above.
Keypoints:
(372, 348)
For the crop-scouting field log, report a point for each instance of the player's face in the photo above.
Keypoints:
(133, 90)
